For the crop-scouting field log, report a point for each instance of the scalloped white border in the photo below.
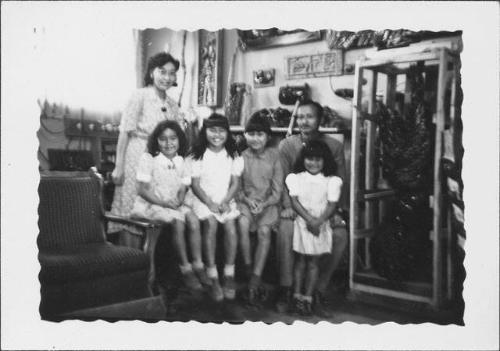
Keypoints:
(21, 327)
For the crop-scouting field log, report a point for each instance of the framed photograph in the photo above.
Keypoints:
(210, 68)
(267, 38)
(315, 65)
(263, 78)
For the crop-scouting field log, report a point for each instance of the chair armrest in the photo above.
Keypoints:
(144, 224)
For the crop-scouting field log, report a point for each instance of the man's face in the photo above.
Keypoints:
(307, 119)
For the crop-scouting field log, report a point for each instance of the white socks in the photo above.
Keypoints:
(198, 265)
(186, 268)
(212, 272)
(229, 270)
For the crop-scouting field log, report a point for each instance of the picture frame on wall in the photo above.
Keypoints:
(257, 39)
(314, 65)
(210, 68)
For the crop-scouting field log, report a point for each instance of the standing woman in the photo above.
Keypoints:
(146, 107)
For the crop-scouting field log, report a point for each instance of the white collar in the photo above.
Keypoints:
(221, 153)
(316, 177)
(176, 161)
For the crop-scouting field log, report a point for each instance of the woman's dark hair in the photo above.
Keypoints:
(154, 148)
(158, 60)
(317, 148)
(215, 120)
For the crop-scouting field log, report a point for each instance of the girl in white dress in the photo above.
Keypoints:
(162, 183)
(314, 192)
(216, 171)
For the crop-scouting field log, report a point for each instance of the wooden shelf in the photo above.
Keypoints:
(368, 208)
(375, 194)
(369, 277)
(241, 129)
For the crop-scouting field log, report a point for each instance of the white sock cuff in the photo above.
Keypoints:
(307, 298)
(212, 272)
(229, 270)
(198, 265)
(186, 268)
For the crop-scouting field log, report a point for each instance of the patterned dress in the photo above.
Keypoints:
(143, 111)
(165, 177)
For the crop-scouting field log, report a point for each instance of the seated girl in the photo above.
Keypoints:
(162, 183)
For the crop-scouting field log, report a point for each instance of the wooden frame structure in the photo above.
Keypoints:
(364, 219)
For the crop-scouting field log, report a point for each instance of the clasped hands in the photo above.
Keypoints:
(313, 224)
(218, 208)
(256, 206)
(173, 203)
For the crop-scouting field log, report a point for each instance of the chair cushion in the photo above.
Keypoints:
(89, 261)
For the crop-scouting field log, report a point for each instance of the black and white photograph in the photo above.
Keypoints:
(249, 178)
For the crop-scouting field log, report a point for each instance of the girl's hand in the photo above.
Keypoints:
(258, 208)
(252, 204)
(213, 207)
(313, 229)
(173, 204)
(118, 176)
(223, 207)
(313, 225)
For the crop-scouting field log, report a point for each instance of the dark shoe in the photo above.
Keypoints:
(229, 288)
(203, 278)
(248, 272)
(306, 308)
(252, 299)
(297, 306)
(321, 306)
(263, 294)
(191, 282)
(216, 290)
(283, 300)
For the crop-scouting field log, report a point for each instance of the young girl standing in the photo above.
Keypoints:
(162, 183)
(314, 192)
(216, 169)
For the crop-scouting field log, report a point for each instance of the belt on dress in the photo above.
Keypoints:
(139, 135)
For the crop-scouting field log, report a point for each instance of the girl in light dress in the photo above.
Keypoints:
(314, 192)
(162, 183)
(216, 170)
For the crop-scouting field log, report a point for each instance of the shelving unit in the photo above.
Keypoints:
(368, 203)
(102, 140)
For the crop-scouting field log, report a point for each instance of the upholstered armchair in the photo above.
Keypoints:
(79, 267)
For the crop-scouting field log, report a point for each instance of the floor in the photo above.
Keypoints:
(199, 306)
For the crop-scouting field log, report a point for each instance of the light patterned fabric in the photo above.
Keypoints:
(166, 177)
(214, 171)
(313, 192)
(142, 113)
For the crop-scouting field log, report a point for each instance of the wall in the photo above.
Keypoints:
(267, 97)
(156, 40)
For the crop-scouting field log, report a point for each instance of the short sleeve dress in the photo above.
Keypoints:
(143, 111)
(166, 177)
(313, 192)
(215, 170)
